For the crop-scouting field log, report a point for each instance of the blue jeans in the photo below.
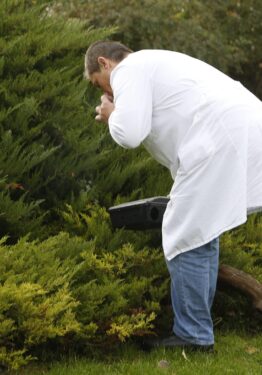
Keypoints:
(193, 285)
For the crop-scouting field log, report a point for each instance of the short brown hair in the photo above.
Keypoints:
(111, 50)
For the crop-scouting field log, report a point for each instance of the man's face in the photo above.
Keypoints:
(102, 80)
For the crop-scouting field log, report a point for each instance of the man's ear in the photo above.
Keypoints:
(103, 62)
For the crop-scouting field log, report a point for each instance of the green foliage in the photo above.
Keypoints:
(45, 122)
(65, 291)
(17, 216)
(128, 175)
(224, 33)
(242, 248)
(90, 286)
(36, 303)
(96, 289)
(74, 292)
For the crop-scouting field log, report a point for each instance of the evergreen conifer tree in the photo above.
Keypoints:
(49, 149)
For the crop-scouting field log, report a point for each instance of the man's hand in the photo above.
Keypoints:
(105, 109)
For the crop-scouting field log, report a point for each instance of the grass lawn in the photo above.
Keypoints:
(238, 354)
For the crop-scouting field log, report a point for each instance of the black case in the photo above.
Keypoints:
(142, 214)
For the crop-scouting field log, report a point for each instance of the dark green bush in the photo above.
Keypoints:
(224, 33)
(47, 156)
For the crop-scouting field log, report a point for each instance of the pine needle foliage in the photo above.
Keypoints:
(49, 150)
(83, 293)
(70, 292)
(242, 247)
(128, 175)
(88, 286)
(233, 45)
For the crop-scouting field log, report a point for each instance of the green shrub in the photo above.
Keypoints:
(242, 247)
(49, 150)
(225, 33)
(68, 292)
(87, 292)
(86, 286)
(36, 303)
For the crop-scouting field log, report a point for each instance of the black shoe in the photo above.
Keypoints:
(175, 342)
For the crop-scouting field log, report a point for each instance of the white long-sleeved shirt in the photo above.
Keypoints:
(202, 125)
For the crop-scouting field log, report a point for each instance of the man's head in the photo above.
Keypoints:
(100, 59)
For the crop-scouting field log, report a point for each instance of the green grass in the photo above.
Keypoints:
(235, 354)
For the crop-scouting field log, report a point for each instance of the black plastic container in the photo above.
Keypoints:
(142, 214)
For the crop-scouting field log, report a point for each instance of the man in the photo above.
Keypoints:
(207, 129)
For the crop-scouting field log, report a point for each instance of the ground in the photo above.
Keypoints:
(236, 353)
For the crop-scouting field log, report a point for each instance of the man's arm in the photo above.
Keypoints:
(130, 121)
